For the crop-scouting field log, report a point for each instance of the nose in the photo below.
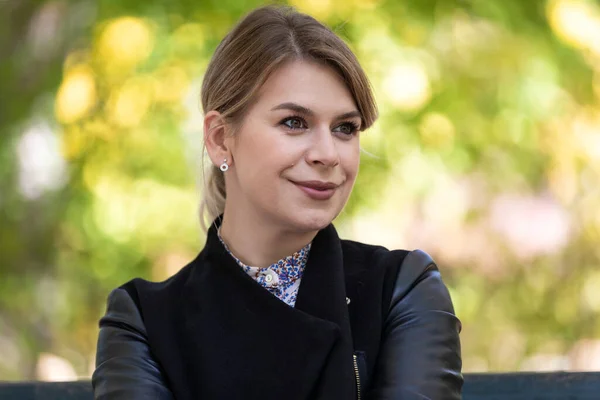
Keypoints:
(323, 149)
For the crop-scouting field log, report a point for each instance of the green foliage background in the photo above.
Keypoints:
(486, 155)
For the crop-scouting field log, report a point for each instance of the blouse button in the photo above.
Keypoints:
(271, 278)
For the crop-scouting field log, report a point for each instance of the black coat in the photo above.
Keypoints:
(212, 332)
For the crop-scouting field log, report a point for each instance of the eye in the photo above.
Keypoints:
(294, 123)
(347, 128)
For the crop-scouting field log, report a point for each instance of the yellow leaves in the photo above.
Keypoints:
(407, 86)
(572, 142)
(125, 209)
(76, 95)
(125, 42)
(586, 130)
(324, 9)
(590, 295)
(73, 143)
(596, 83)
(76, 138)
(171, 84)
(128, 104)
(189, 37)
(577, 23)
(109, 77)
(437, 130)
(562, 181)
(320, 9)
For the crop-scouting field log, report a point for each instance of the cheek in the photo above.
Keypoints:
(259, 172)
(351, 161)
(254, 148)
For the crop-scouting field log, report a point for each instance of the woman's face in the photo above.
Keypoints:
(296, 155)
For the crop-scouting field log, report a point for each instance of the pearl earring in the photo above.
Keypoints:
(224, 167)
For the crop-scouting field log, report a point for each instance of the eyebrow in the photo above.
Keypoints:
(308, 112)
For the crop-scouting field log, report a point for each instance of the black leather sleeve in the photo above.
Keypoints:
(420, 355)
(125, 368)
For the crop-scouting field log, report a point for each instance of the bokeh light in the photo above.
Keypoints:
(486, 155)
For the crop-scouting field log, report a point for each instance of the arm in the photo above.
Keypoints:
(420, 354)
(125, 368)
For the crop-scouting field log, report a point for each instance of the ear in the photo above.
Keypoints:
(215, 135)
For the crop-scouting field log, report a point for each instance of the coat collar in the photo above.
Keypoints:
(270, 350)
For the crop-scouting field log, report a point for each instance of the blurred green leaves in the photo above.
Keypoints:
(486, 155)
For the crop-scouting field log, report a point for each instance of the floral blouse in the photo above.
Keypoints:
(281, 279)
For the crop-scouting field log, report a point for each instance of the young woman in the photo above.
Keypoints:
(276, 306)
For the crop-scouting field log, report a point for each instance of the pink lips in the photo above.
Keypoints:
(317, 190)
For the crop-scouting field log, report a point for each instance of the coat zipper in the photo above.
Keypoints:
(357, 376)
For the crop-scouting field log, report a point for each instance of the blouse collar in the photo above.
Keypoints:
(288, 269)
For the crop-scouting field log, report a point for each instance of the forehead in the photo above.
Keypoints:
(307, 83)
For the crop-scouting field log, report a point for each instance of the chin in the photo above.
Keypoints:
(312, 220)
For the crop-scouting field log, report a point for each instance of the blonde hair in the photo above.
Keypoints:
(260, 43)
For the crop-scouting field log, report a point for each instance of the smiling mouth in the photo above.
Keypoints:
(317, 190)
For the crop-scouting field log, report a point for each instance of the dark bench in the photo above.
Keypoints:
(533, 386)
(513, 386)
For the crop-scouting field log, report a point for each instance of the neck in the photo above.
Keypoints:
(257, 242)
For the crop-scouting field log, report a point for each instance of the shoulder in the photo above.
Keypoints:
(140, 289)
(418, 269)
(125, 365)
(367, 256)
(361, 257)
(400, 270)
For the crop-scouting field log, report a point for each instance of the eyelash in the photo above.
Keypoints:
(355, 127)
